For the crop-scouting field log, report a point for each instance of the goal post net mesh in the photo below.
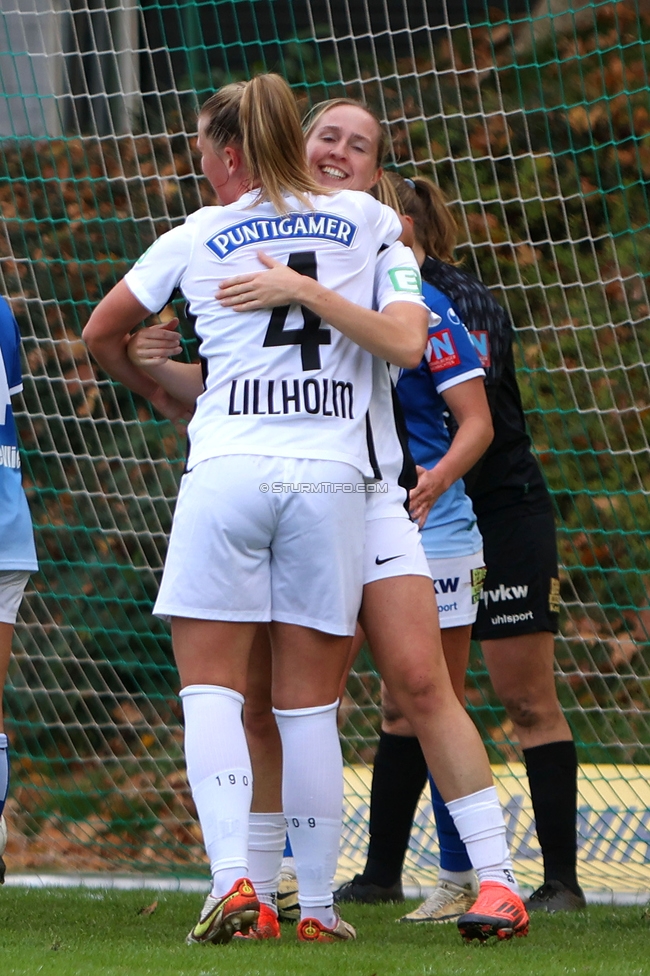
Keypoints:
(535, 120)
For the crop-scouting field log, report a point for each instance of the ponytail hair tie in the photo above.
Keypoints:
(410, 182)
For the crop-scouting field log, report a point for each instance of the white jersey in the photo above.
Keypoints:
(280, 382)
(397, 278)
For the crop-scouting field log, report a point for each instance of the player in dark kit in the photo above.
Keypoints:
(518, 613)
(516, 623)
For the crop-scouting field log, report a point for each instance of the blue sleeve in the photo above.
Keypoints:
(10, 345)
(450, 353)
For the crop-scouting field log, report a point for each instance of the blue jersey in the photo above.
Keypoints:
(16, 534)
(508, 474)
(449, 359)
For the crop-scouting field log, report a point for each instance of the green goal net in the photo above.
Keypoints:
(534, 117)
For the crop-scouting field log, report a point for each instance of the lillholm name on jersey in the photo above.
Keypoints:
(327, 397)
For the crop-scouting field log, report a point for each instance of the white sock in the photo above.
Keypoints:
(479, 821)
(266, 841)
(458, 877)
(288, 863)
(219, 773)
(312, 788)
(4, 768)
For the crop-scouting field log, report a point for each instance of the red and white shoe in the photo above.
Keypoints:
(267, 926)
(497, 911)
(221, 918)
(311, 930)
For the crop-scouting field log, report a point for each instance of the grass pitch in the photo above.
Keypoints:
(63, 932)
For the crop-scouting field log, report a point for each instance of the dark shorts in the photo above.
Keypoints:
(521, 593)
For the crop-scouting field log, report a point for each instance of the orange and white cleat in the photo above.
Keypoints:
(221, 918)
(497, 911)
(311, 930)
(267, 926)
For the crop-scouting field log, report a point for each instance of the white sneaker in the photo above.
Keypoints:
(287, 897)
(3, 844)
(446, 903)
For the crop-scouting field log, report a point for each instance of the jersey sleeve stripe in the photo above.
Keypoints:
(455, 380)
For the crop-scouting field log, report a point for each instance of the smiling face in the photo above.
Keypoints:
(342, 149)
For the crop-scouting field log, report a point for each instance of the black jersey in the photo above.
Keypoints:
(508, 474)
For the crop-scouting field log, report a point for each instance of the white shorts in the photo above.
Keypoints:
(12, 587)
(385, 500)
(259, 538)
(458, 582)
(393, 548)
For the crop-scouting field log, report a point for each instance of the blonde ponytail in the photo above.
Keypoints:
(384, 191)
(262, 117)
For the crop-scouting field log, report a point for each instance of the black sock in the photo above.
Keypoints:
(553, 777)
(399, 776)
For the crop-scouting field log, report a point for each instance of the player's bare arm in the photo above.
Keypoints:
(151, 349)
(398, 334)
(107, 336)
(468, 403)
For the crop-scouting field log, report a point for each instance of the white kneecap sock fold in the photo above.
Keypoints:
(479, 821)
(219, 773)
(267, 834)
(312, 790)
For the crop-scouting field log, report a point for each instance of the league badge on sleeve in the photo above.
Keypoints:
(441, 352)
(406, 279)
(481, 342)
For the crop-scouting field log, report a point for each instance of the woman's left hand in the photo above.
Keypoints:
(262, 289)
(427, 491)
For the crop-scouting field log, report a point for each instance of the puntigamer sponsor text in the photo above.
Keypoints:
(292, 226)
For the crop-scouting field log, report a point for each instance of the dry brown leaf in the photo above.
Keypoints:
(149, 909)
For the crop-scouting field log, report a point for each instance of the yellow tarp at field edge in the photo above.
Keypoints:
(613, 828)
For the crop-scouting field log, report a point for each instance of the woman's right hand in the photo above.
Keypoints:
(153, 346)
(423, 497)
(278, 286)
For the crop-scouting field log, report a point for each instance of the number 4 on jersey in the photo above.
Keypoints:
(311, 336)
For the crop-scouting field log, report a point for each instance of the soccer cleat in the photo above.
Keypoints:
(220, 918)
(367, 893)
(311, 930)
(497, 911)
(3, 844)
(287, 897)
(267, 926)
(555, 896)
(446, 903)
